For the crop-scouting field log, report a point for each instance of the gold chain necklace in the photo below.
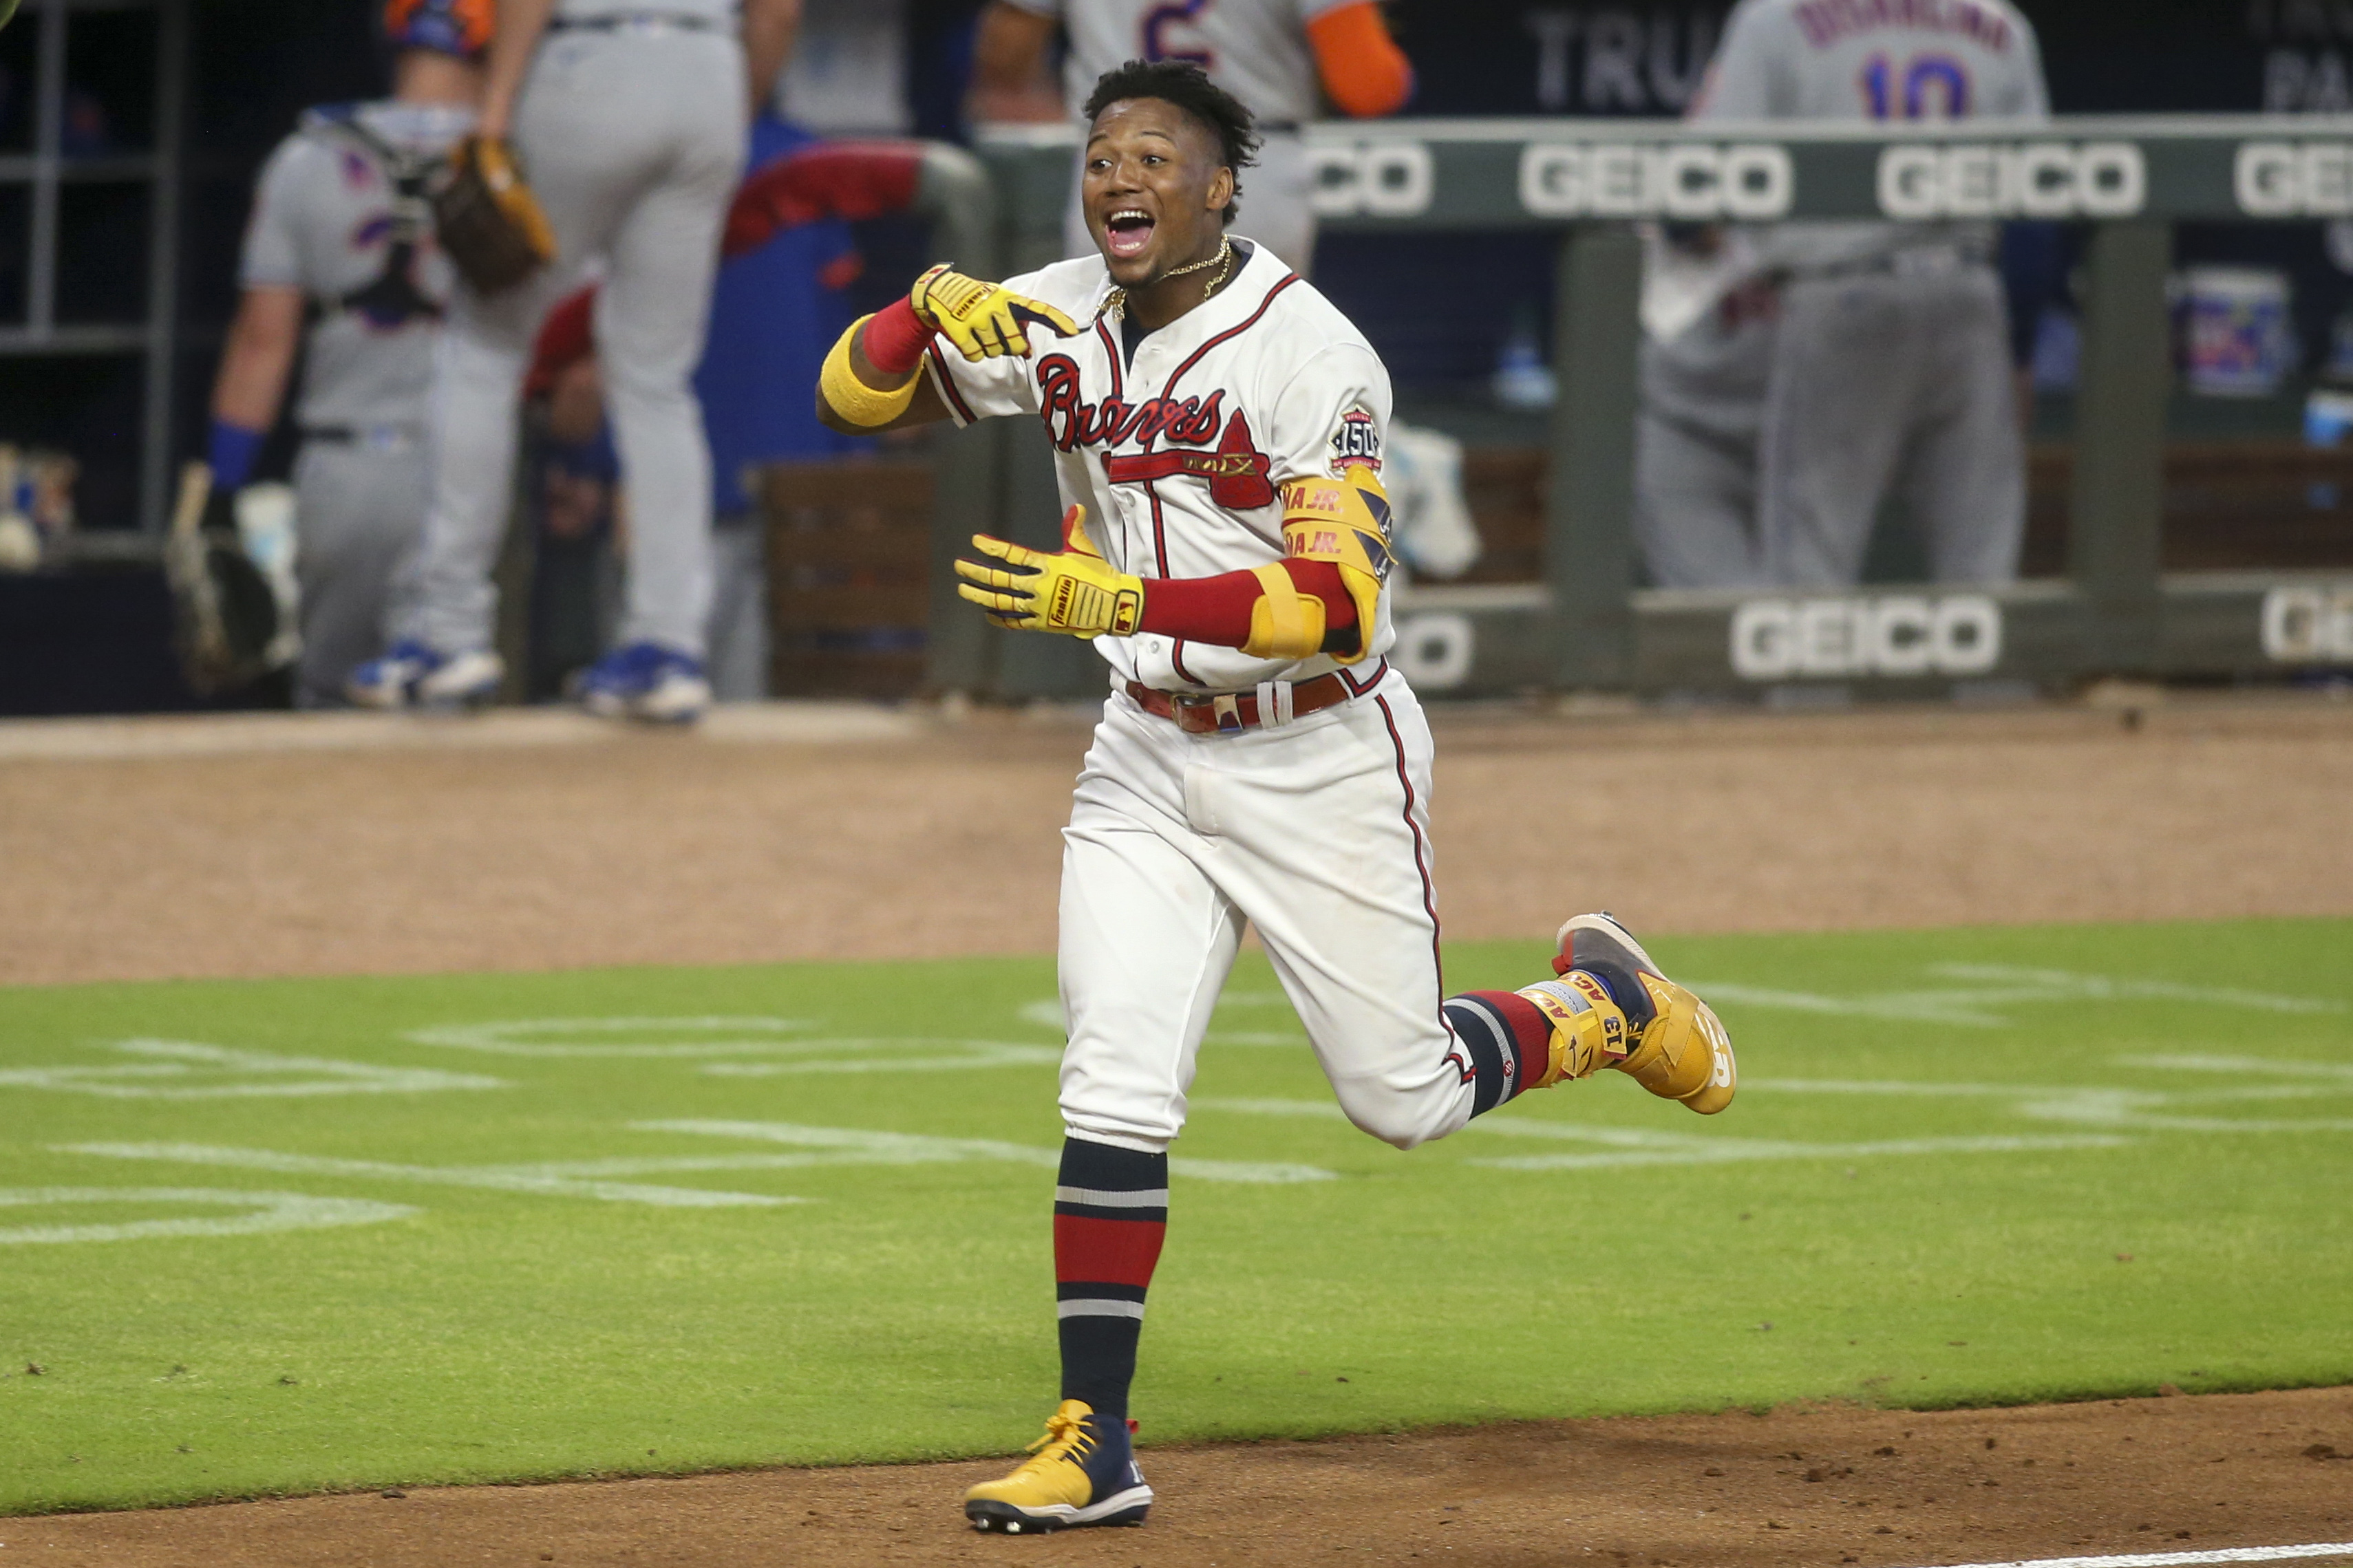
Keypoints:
(1116, 302)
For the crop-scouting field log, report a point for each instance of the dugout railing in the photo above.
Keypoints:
(1586, 625)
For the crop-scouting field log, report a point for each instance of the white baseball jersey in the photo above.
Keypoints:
(1255, 49)
(1310, 832)
(324, 221)
(1891, 60)
(1177, 449)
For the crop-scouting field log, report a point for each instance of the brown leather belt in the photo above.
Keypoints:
(1230, 712)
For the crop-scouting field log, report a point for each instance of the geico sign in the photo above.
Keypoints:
(1678, 180)
(2289, 179)
(2038, 179)
(2309, 626)
(1378, 179)
(1773, 639)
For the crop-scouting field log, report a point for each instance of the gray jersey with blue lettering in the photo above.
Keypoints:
(1861, 61)
(1255, 49)
(330, 219)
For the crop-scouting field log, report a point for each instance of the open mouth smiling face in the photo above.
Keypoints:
(1154, 186)
(1126, 232)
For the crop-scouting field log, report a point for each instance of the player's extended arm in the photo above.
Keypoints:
(1008, 48)
(251, 384)
(514, 39)
(1364, 71)
(1290, 608)
(769, 29)
(872, 380)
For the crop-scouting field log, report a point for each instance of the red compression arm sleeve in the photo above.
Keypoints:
(895, 339)
(1217, 610)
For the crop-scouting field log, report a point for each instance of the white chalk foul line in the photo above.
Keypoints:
(492, 1177)
(1644, 1146)
(910, 1148)
(2172, 1559)
(264, 1212)
(563, 1038)
(177, 1070)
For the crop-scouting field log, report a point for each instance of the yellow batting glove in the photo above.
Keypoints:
(982, 319)
(1074, 591)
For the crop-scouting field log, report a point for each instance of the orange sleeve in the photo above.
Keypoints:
(1364, 71)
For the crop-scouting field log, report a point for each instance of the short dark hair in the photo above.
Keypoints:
(1188, 86)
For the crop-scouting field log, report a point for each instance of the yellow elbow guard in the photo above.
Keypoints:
(852, 398)
(1344, 521)
(1285, 622)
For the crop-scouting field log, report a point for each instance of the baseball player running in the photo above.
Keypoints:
(1270, 54)
(1890, 364)
(339, 232)
(1218, 426)
(628, 118)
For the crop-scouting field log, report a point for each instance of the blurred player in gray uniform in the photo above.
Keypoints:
(1273, 55)
(1889, 368)
(339, 233)
(629, 116)
(1706, 356)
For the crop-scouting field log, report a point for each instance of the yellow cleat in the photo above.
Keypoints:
(1669, 1041)
(1590, 1030)
(1083, 1471)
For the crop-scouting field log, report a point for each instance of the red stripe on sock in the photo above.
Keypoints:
(1531, 1033)
(1106, 1251)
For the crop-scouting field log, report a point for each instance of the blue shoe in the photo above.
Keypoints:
(413, 675)
(1083, 1471)
(649, 682)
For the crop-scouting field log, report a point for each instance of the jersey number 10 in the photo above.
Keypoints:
(1929, 87)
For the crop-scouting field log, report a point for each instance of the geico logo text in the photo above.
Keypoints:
(1677, 180)
(2038, 179)
(2288, 179)
(2309, 626)
(1375, 178)
(1776, 639)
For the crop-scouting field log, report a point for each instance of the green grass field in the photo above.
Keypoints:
(277, 1236)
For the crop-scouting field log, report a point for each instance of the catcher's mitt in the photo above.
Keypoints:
(224, 613)
(488, 221)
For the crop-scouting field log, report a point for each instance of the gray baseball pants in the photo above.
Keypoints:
(634, 142)
(358, 513)
(1696, 454)
(1887, 384)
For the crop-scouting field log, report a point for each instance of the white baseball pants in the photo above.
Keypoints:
(634, 142)
(1316, 834)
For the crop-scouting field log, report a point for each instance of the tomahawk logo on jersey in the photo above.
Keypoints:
(1182, 443)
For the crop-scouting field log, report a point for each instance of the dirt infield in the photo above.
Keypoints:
(363, 845)
(250, 847)
(1834, 1486)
